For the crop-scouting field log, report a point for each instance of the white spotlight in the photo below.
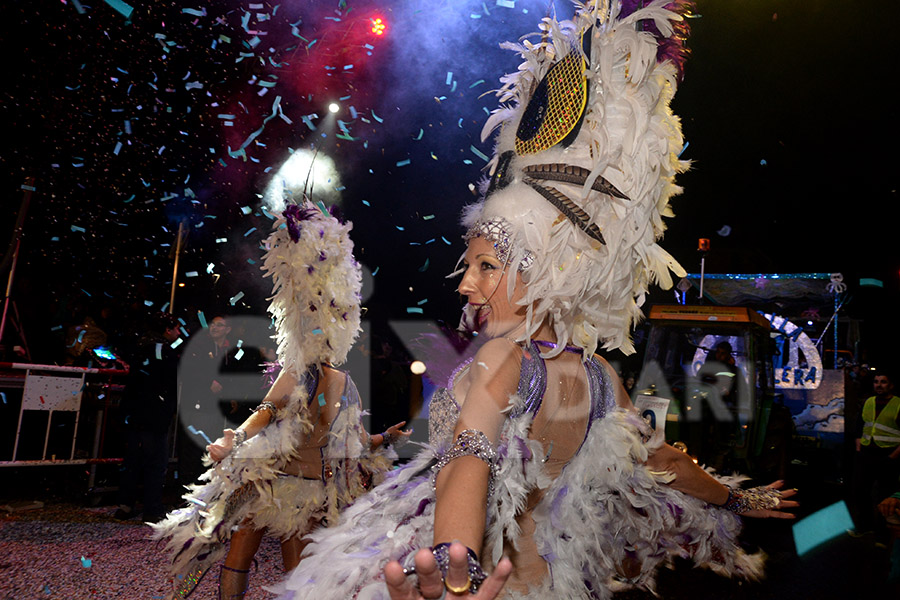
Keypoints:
(334, 107)
(417, 367)
(304, 170)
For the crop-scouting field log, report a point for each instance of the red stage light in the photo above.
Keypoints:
(378, 26)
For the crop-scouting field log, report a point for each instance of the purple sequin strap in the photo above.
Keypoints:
(532, 381)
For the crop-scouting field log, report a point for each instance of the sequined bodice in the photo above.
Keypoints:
(444, 409)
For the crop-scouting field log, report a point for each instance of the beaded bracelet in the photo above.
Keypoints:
(386, 439)
(240, 436)
(475, 572)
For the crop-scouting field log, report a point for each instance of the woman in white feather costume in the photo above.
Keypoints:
(303, 454)
(536, 453)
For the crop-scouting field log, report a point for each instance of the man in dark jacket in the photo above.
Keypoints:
(148, 408)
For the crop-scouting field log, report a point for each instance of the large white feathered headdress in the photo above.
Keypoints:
(316, 285)
(584, 168)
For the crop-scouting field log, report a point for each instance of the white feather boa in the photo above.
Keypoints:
(604, 507)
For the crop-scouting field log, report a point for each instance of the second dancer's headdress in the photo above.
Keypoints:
(316, 285)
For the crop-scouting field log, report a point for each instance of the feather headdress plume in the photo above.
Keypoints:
(584, 167)
(316, 285)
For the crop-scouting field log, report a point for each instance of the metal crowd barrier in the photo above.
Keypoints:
(78, 401)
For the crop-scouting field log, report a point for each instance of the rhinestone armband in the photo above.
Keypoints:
(758, 498)
(470, 442)
(269, 406)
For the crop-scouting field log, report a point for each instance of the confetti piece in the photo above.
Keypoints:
(479, 153)
(506, 3)
(449, 77)
(124, 9)
(414, 309)
(321, 399)
(249, 231)
(403, 163)
(234, 299)
(159, 351)
(424, 267)
(239, 354)
(77, 228)
(199, 432)
(202, 318)
(427, 217)
(191, 274)
(376, 117)
(177, 343)
(821, 526)
(421, 133)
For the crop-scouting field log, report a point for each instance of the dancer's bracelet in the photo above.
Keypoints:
(758, 498)
(269, 406)
(240, 436)
(476, 574)
(387, 439)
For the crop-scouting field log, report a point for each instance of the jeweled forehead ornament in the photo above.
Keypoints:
(496, 231)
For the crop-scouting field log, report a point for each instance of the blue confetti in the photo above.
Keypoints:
(199, 432)
(124, 9)
(479, 153)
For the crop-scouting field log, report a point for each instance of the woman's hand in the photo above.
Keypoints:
(431, 584)
(777, 511)
(222, 447)
(395, 434)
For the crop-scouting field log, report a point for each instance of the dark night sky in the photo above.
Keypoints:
(785, 106)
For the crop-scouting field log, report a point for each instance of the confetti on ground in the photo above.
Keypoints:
(112, 559)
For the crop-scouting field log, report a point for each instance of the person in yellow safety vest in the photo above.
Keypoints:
(879, 415)
(878, 449)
